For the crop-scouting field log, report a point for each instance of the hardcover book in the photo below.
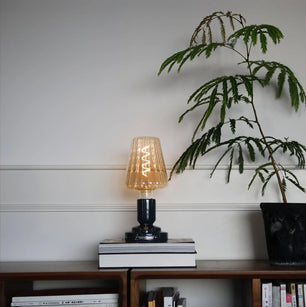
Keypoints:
(138, 260)
(73, 299)
(114, 246)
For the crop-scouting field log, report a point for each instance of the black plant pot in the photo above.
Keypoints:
(285, 229)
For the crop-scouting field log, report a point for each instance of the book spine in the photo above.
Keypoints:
(300, 295)
(288, 300)
(276, 296)
(79, 303)
(293, 295)
(283, 295)
(81, 298)
(266, 295)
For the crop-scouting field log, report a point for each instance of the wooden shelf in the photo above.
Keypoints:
(19, 276)
(253, 270)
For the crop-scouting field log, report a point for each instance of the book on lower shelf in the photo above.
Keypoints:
(116, 253)
(266, 294)
(79, 300)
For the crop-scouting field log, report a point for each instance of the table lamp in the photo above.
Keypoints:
(146, 172)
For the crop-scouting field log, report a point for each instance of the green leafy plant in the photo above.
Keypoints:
(222, 93)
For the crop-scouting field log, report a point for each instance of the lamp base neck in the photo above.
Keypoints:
(146, 232)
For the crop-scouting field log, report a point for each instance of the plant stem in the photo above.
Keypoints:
(279, 181)
(270, 154)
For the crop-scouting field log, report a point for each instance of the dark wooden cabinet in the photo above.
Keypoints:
(16, 277)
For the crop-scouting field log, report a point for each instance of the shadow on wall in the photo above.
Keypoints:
(258, 235)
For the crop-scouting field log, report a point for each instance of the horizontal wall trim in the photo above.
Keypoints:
(182, 207)
(105, 167)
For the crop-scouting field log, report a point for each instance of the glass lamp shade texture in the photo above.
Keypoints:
(146, 169)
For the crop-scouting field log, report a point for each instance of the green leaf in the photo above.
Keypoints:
(216, 136)
(252, 180)
(222, 113)
(250, 150)
(240, 159)
(225, 93)
(233, 125)
(247, 121)
(170, 61)
(263, 42)
(248, 85)
(222, 28)
(293, 90)
(212, 104)
(280, 83)
(254, 36)
(211, 47)
(254, 31)
(234, 88)
(219, 160)
(269, 74)
(267, 180)
(284, 184)
(275, 34)
(230, 166)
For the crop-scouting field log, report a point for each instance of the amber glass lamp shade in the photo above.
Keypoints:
(146, 172)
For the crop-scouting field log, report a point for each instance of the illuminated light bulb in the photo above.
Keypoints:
(146, 165)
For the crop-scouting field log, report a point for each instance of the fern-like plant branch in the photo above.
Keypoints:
(222, 93)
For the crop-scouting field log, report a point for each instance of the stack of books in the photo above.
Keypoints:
(284, 294)
(79, 300)
(116, 253)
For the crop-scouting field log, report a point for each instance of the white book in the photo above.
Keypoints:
(116, 246)
(79, 303)
(300, 295)
(147, 260)
(283, 295)
(67, 299)
(104, 304)
(276, 299)
(267, 294)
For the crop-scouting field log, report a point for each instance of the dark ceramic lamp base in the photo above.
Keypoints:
(146, 232)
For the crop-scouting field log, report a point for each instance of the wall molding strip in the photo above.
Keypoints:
(118, 167)
(181, 207)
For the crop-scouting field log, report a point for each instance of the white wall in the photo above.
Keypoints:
(78, 82)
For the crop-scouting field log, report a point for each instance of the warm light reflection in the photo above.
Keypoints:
(146, 170)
